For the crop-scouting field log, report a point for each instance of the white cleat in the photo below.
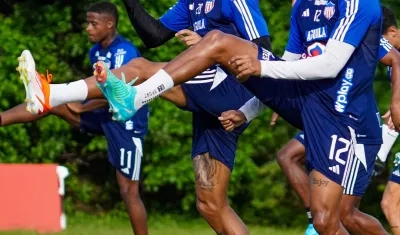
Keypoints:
(37, 101)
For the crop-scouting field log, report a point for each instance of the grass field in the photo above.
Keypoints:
(160, 226)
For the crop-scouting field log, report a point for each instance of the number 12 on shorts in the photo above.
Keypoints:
(334, 153)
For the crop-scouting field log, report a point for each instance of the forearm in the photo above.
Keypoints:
(324, 66)
(252, 108)
(152, 32)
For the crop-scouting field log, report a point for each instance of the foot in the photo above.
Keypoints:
(311, 230)
(120, 95)
(37, 86)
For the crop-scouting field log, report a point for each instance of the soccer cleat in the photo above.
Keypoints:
(37, 86)
(311, 230)
(120, 95)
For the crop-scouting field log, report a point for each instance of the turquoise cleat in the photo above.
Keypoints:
(311, 230)
(120, 95)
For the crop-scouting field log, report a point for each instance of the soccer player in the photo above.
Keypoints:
(213, 148)
(337, 109)
(291, 157)
(125, 140)
(391, 199)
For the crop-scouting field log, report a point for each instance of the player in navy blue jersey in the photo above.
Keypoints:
(337, 109)
(213, 148)
(391, 199)
(125, 140)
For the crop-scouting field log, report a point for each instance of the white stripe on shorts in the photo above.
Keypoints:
(138, 158)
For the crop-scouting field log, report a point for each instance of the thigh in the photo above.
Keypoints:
(212, 179)
(209, 136)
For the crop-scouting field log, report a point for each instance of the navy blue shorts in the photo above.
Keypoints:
(125, 148)
(395, 176)
(207, 99)
(332, 147)
(300, 137)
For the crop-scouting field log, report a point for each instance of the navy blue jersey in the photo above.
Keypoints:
(242, 18)
(118, 53)
(357, 22)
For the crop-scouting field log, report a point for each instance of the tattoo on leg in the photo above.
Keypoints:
(320, 182)
(395, 226)
(205, 168)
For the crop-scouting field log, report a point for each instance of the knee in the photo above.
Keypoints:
(284, 158)
(130, 191)
(137, 63)
(209, 207)
(322, 221)
(215, 40)
(347, 215)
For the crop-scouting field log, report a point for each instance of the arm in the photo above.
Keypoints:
(154, 32)
(252, 108)
(352, 25)
(392, 58)
(88, 106)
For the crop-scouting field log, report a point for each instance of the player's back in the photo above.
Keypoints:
(118, 53)
(350, 95)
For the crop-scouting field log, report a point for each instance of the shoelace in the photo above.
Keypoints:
(48, 77)
(121, 88)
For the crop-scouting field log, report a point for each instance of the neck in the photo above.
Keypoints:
(108, 40)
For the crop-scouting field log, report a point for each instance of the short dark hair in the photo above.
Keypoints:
(104, 7)
(389, 19)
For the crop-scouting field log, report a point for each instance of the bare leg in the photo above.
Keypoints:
(291, 159)
(212, 180)
(215, 48)
(18, 114)
(357, 222)
(137, 212)
(391, 206)
(325, 199)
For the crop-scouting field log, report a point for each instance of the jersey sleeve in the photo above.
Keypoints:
(247, 16)
(384, 48)
(177, 17)
(355, 18)
(124, 53)
(295, 42)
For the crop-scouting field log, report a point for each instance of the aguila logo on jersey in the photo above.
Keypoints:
(329, 10)
(317, 34)
(209, 6)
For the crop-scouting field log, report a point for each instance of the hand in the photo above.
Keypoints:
(388, 120)
(231, 119)
(274, 117)
(188, 37)
(246, 66)
(75, 107)
(395, 114)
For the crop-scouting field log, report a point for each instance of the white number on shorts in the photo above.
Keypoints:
(338, 151)
(122, 157)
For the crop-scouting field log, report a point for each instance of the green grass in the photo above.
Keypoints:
(84, 225)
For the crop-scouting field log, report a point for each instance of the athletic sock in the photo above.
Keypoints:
(69, 92)
(389, 137)
(152, 88)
